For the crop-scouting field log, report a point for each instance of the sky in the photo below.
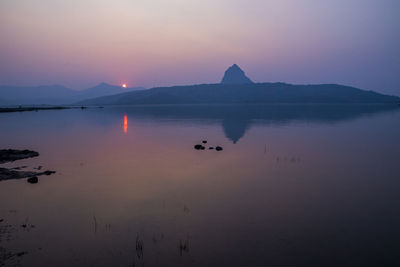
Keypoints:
(80, 43)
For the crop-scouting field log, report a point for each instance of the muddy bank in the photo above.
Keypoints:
(7, 174)
(10, 155)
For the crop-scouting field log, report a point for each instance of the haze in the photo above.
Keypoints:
(156, 42)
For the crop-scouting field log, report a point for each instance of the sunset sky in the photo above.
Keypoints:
(80, 43)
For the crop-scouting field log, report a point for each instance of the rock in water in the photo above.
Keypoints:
(9, 155)
(199, 147)
(235, 75)
(7, 174)
(218, 148)
(33, 180)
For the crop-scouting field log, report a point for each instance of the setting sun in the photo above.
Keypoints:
(124, 85)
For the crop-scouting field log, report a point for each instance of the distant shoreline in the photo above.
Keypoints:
(33, 108)
(23, 109)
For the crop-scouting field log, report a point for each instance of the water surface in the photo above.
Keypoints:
(296, 185)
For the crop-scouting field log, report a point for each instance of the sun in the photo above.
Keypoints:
(124, 85)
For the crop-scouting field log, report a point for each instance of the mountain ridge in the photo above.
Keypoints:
(245, 93)
(234, 88)
(55, 94)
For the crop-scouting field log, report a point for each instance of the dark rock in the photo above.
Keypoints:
(8, 155)
(33, 180)
(7, 174)
(211, 147)
(218, 148)
(198, 147)
(204, 142)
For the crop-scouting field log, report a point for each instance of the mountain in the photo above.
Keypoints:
(236, 87)
(244, 93)
(235, 75)
(104, 89)
(55, 94)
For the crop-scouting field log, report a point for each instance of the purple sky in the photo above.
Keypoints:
(79, 43)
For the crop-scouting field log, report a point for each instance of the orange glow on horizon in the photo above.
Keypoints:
(125, 123)
(124, 85)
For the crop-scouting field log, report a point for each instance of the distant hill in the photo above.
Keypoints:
(55, 94)
(235, 75)
(104, 89)
(245, 93)
(236, 87)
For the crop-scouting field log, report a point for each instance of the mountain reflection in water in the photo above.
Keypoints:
(237, 119)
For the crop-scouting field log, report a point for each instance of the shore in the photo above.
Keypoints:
(10, 155)
(22, 109)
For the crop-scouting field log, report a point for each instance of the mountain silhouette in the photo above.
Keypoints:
(102, 89)
(237, 88)
(255, 93)
(235, 75)
(55, 94)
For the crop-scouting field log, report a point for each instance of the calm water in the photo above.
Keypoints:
(296, 185)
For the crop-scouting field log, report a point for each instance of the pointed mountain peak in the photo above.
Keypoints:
(235, 75)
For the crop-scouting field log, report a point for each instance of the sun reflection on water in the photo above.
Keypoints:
(125, 123)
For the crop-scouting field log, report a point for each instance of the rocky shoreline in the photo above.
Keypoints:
(10, 155)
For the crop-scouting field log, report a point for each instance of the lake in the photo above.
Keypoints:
(295, 185)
